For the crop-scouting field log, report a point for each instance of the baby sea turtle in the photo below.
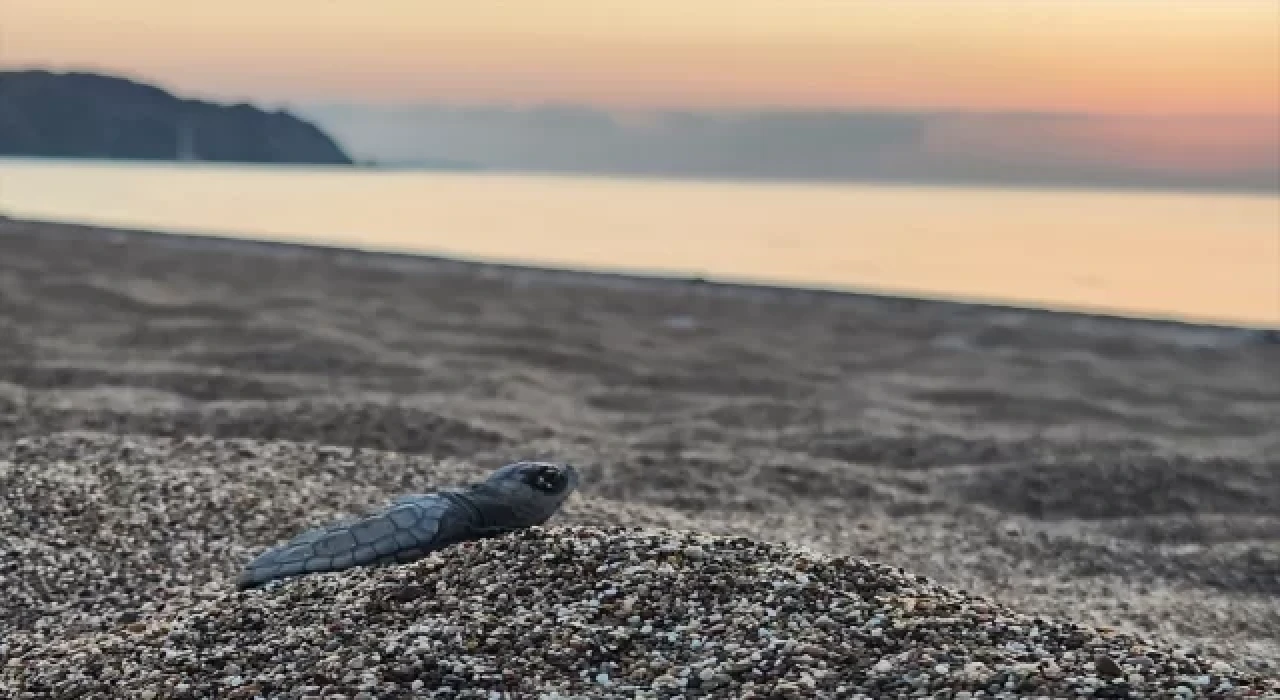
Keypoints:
(516, 496)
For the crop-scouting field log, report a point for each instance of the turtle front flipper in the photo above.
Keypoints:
(404, 532)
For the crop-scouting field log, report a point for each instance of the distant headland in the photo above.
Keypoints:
(87, 115)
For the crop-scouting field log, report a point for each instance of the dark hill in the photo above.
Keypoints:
(84, 115)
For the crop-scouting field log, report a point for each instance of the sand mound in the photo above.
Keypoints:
(609, 612)
(119, 551)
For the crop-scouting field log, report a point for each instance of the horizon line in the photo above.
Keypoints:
(422, 165)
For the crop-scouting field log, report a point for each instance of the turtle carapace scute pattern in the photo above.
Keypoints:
(518, 495)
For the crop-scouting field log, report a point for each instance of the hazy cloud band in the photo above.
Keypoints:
(1234, 153)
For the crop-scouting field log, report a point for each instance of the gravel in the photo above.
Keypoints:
(117, 555)
(610, 612)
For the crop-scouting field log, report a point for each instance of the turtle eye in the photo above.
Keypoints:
(546, 477)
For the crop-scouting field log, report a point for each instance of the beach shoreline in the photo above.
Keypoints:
(1102, 319)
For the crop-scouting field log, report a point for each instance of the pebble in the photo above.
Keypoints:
(1107, 666)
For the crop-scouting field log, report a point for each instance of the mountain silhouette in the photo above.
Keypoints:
(87, 115)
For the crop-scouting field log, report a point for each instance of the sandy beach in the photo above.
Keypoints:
(169, 406)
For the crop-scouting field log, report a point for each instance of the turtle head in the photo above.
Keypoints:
(534, 491)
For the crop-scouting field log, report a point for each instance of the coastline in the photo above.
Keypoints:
(1099, 320)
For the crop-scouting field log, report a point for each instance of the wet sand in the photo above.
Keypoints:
(159, 391)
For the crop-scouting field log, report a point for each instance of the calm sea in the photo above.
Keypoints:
(1210, 257)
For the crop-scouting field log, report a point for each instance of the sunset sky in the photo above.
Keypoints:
(1106, 56)
(1195, 64)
